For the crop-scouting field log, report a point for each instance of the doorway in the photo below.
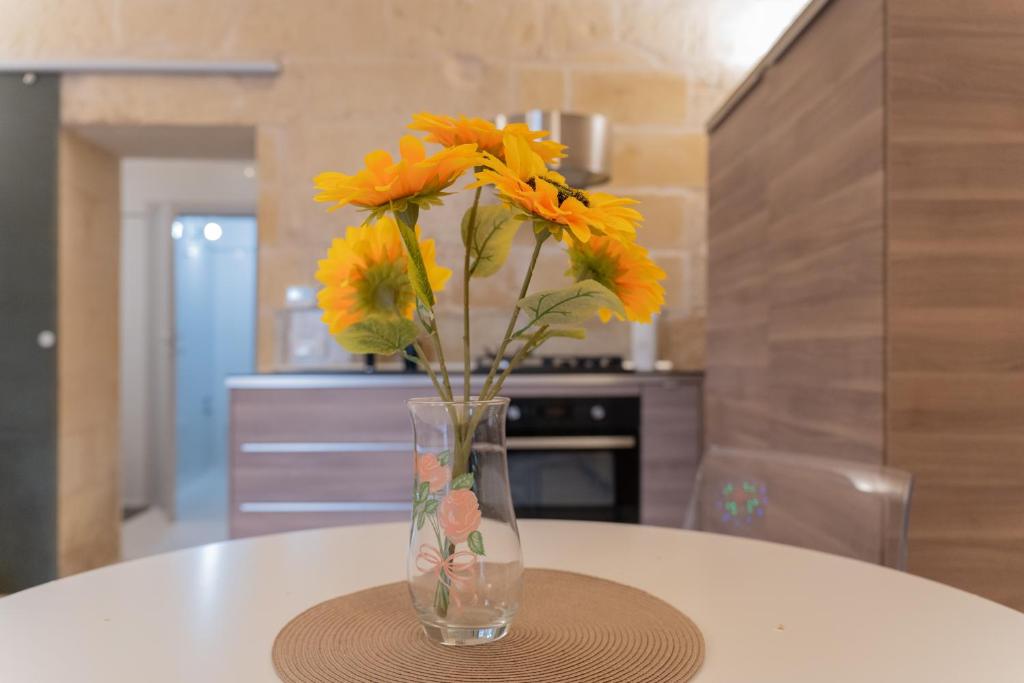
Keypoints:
(215, 327)
(188, 299)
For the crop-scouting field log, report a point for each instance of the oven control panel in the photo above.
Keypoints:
(553, 416)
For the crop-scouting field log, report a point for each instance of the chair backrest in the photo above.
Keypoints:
(826, 504)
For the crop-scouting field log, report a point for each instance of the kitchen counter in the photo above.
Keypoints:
(397, 379)
(329, 449)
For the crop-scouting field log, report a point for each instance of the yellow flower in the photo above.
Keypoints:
(450, 131)
(365, 274)
(414, 178)
(625, 269)
(613, 216)
(523, 182)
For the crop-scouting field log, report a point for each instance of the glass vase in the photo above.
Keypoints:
(465, 565)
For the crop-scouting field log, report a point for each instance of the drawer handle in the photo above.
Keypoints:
(327, 447)
(324, 507)
(569, 443)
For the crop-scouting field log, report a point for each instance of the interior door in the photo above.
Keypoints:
(29, 121)
(215, 322)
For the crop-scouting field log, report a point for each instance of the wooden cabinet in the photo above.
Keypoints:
(310, 451)
(303, 458)
(866, 265)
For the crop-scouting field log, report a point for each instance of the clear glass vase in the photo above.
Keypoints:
(465, 564)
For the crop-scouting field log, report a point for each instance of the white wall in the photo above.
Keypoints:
(153, 191)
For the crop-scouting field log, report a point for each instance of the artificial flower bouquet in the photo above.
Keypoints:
(380, 283)
(381, 279)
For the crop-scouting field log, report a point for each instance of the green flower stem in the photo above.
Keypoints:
(466, 428)
(431, 329)
(470, 239)
(510, 330)
(529, 347)
(525, 350)
(440, 355)
(421, 359)
(441, 592)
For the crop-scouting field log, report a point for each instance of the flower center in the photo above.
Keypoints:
(564, 191)
(594, 265)
(384, 289)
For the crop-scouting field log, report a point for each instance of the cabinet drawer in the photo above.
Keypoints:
(321, 414)
(258, 523)
(334, 475)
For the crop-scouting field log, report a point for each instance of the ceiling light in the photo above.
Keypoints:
(177, 230)
(249, 172)
(213, 231)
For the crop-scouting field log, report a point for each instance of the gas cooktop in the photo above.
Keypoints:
(566, 364)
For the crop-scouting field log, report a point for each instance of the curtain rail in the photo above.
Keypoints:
(144, 67)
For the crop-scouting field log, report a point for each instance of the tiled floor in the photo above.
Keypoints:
(202, 519)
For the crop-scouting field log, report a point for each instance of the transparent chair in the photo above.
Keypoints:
(835, 506)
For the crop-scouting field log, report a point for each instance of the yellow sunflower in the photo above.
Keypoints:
(450, 131)
(365, 274)
(613, 216)
(523, 182)
(414, 178)
(625, 269)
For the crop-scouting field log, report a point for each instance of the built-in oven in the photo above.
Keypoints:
(575, 458)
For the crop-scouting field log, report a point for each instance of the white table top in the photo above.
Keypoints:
(769, 613)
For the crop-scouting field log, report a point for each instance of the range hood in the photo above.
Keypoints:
(587, 135)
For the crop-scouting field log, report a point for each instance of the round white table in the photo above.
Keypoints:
(769, 613)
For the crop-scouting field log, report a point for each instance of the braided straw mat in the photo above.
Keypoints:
(570, 627)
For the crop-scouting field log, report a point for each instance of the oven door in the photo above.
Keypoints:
(575, 477)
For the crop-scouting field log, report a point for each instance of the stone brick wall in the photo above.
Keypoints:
(355, 70)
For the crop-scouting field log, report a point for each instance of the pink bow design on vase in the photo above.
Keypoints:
(458, 567)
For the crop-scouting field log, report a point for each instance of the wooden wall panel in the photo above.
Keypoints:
(796, 249)
(866, 265)
(88, 435)
(956, 286)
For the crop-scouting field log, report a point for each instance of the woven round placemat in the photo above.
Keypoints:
(570, 627)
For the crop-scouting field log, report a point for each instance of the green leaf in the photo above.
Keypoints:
(463, 481)
(431, 506)
(426, 317)
(378, 334)
(567, 332)
(476, 542)
(492, 240)
(417, 269)
(444, 457)
(422, 491)
(569, 306)
(420, 519)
